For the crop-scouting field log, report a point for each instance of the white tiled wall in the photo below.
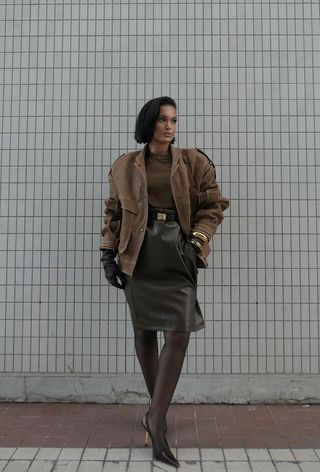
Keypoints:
(246, 77)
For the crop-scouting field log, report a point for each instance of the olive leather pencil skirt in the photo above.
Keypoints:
(162, 292)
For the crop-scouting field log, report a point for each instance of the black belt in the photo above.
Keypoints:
(163, 214)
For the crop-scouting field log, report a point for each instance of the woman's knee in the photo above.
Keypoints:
(177, 339)
(144, 335)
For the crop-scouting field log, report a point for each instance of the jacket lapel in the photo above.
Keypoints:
(139, 162)
(180, 187)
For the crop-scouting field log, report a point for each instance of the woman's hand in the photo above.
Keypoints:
(196, 243)
(111, 268)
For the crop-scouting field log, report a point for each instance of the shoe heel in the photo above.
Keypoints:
(146, 436)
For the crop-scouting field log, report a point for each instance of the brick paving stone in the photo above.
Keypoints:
(56, 442)
(31, 441)
(276, 443)
(314, 443)
(76, 441)
(231, 442)
(254, 442)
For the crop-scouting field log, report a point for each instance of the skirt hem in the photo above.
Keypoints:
(165, 328)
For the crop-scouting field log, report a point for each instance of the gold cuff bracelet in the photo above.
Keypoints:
(201, 236)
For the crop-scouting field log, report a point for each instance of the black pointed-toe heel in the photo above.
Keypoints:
(165, 455)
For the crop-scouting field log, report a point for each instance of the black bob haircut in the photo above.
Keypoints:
(147, 118)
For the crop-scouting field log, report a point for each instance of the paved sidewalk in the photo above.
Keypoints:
(74, 437)
(140, 460)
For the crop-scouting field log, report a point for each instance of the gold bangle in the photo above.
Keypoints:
(201, 236)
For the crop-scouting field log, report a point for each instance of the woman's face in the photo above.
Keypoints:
(166, 124)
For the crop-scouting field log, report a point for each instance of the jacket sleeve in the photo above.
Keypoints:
(211, 204)
(112, 218)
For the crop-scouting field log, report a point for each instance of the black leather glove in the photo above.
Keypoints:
(111, 268)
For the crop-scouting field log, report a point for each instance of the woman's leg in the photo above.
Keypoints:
(146, 345)
(169, 369)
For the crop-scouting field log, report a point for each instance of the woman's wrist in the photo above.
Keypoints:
(198, 235)
(196, 243)
(198, 240)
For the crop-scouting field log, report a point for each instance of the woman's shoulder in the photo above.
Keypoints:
(124, 158)
(196, 156)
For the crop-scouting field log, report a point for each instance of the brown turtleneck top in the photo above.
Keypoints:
(158, 168)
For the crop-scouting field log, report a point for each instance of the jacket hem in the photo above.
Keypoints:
(125, 266)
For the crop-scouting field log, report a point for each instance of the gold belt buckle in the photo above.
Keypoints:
(161, 216)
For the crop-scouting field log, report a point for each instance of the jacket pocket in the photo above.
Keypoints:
(130, 210)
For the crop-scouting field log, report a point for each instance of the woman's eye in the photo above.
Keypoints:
(162, 119)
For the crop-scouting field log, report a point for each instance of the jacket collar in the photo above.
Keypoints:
(140, 160)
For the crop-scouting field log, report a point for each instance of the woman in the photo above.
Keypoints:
(164, 206)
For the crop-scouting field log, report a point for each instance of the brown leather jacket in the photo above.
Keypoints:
(195, 191)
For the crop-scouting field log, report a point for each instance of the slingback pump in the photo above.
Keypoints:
(165, 455)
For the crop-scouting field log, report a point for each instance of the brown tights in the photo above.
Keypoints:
(161, 375)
